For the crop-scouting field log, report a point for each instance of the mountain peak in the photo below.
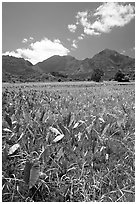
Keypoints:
(108, 51)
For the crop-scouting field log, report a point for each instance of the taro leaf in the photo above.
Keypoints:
(80, 122)
(76, 125)
(54, 130)
(4, 154)
(58, 138)
(60, 154)
(17, 126)
(89, 128)
(105, 130)
(22, 134)
(45, 154)
(27, 169)
(34, 174)
(64, 129)
(68, 119)
(13, 149)
(7, 130)
(72, 120)
(42, 115)
(8, 120)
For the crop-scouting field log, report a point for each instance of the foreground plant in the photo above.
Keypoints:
(54, 153)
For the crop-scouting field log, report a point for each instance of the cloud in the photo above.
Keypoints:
(72, 28)
(74, 44)
(82, 18)
(12, 53)
(56, 41)
(89, 31)
(112, 14)
(81, 37)
(105, 18)
(31, 38)
(24, 40)
(40, 50)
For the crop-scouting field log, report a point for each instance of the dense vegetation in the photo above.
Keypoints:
(120, 77)
(68, 143)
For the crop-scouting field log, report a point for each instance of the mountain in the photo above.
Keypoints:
(111, 61)
(68, 67)
(20, 70)
(65, 64)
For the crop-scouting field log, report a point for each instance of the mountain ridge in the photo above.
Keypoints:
(68, 67)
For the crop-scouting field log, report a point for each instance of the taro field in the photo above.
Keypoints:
(68, 142)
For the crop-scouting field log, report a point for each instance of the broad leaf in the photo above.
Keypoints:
(42, 115)
(68, 119)
(4, 154)
(44, 154)
(54, 130)
(64, 129)
(60, 154)
(7, 130)
(80, 122)
(58, 138)
(27, 169)
(34, 174)
(22, 134)
(105, 130)
(13, 149)
(8, 120)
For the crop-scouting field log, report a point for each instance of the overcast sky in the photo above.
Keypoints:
(37, 31)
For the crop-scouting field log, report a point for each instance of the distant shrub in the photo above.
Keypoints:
(59, 80)
(97, 75)
(126, 79)
(120, 77)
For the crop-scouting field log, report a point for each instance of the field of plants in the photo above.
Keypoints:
(68, 142)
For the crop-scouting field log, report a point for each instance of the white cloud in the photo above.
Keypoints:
(89, 31)
(112, 14)
(74, 44)
(82, 18)
(24, 40)
(12, 53)
(57, 41)
(82, 14)
(81, 37)
(40, 50)
(72, 28)
(105, 18)
(31, 38)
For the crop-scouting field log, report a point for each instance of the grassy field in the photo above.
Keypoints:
(68, 142)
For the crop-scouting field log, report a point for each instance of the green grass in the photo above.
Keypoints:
(76, 142)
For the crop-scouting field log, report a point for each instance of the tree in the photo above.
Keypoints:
(97, 74)
(126, 79)
(59, 80)
(119, 76)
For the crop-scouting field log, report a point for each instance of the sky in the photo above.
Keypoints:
(39, 30)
